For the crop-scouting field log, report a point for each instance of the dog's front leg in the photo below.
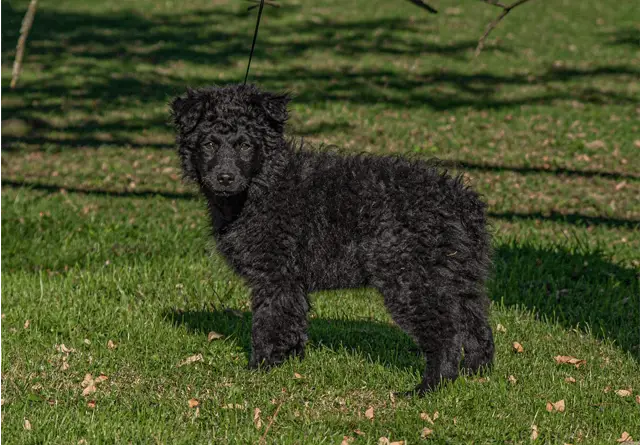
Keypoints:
(279, 324)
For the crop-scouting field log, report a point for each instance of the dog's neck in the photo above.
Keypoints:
(224, 210)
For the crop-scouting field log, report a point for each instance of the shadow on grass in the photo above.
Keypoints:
(381, 342)
(573, 218)
(625, 37)
(557, 171)
(90, 62)
(582, 290)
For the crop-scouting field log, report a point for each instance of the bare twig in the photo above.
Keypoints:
(257, 4)
(266, 430)
(495, 3)
(505, 10)
(24, 32)
(423, 5)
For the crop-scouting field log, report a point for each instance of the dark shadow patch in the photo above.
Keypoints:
(574, 289)
(78, 40)
(526, 170)
(625, 37)
(573, 218)
(379, 342)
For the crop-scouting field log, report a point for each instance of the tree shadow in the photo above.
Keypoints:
(379, 342)
(103, 51)
(625, 37)
(529, 170)
(573, 218)
(574, 289)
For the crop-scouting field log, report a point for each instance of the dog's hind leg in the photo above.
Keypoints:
(432, 319)
(477, 338)
(279, 327)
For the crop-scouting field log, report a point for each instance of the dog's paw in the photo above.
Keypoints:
(264, 360)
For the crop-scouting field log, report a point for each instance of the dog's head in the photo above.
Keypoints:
(225, 134)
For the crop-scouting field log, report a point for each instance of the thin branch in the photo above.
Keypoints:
(264, 436)
(495, 3)
(257, 4)
(24, 32)
(505, 10)
(423, 5)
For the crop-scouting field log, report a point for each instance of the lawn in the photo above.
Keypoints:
(108, 268)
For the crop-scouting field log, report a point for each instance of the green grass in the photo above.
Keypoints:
(102, 241)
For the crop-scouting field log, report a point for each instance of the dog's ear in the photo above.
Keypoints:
(186, 111)
(274, 107)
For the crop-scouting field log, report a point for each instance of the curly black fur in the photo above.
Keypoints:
(291, 222)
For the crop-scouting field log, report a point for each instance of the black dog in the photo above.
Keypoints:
(291, 222)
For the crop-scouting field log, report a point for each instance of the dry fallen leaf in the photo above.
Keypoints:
(426, 432)
(296, 375)
(595, 144)
(566, 359)
(191, 359)
(638, 398)
(517, 347)
(257, 421)
(607, 389)
(559, 406)
(427, 417)
(637, 143)
(501, 328)
(369, 413)
(26, 424)
(233, 406)
(534, 432)
(91, 404)
(512, 380)
(620, 185)
(193, 403)
(570, 380)
(88, 380)
(436, 414)
(27, 324)
(111, 345)
(101, 378)
(86, 341)
(64, 366)
(358, 432)
(62, 348)
(623, 392)
(346, 440)
(89, 390)
(625, 437)
(383, 441)
(214, 336)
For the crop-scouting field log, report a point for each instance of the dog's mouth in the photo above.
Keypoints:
(224, 190)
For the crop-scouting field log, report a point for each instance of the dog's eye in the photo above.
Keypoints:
(245, 149)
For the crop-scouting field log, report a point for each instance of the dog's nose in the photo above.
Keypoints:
(225, 178)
